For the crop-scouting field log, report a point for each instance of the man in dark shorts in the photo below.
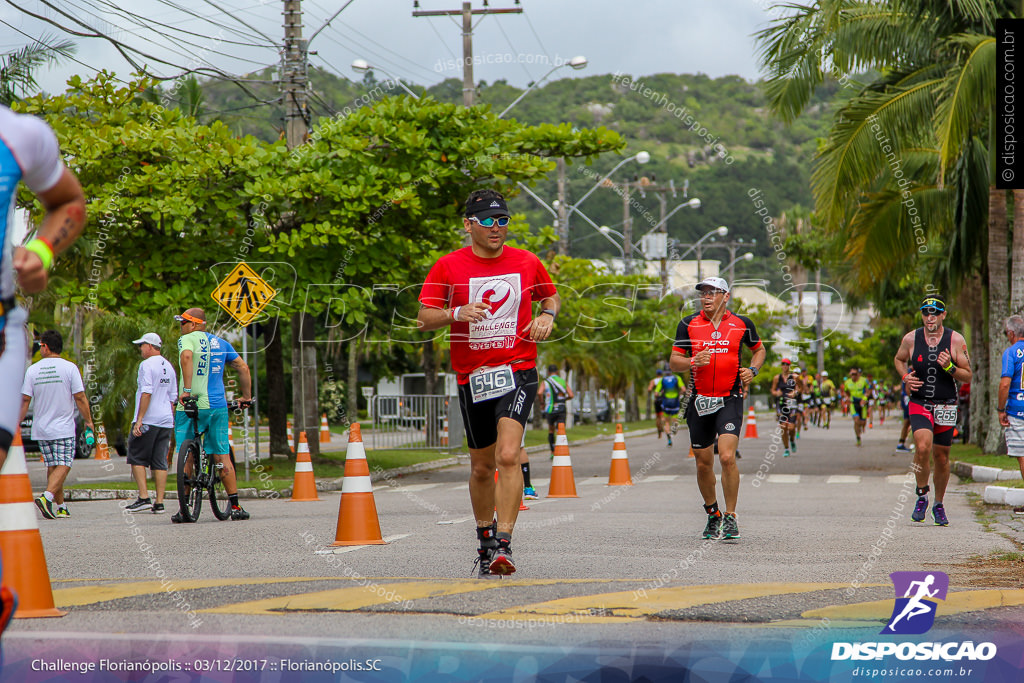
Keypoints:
(555, 393)
(485, 292)
(786, 387)
(153, 424)
(931, 360)
(708, 344)
(855, 389)
(671, 402)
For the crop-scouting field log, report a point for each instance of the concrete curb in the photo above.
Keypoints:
(993, 495)
(79, 495)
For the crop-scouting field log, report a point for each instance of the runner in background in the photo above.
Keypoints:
(654, 388)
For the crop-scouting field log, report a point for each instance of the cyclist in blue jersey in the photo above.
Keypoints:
(1010, 399)
(203, 357)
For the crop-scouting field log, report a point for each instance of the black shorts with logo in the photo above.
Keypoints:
(726, 420)
(555, 417)
(481, 419)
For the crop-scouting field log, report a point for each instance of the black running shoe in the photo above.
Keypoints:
(139, 505)
(730, 529)
(237, 513)
(179, 518)
(501, 560)
(45, 506)
(714, 528)
(158, 508)
(939, 513)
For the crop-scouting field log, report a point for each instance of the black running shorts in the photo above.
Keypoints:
(481, 419)
(726, 420)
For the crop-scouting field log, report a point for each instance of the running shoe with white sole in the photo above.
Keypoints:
(482, 563)
(45, 506)
(501, 560)
(713, 530)
(529, 493)
(730, 529)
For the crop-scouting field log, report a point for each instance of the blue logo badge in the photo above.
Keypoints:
(916, 596)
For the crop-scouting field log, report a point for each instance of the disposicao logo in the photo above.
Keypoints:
(917, 596)
(914, 612)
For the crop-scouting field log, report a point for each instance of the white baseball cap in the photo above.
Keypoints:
(716, 282)
(151, 338)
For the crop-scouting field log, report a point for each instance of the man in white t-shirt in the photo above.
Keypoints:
(153, 423)
(54, 387)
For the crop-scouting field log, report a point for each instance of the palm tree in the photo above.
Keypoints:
(905, 170)
(17, 69)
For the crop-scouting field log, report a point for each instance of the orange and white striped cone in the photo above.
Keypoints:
(444, 434)
(562, 483)
(304, 488)
(751, 432)
(358, 523)
(21, 546)
(325, 430)
(102, 447)
(618, 473)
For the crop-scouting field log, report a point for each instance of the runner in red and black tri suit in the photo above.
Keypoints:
(708, 344)
(485, 292)
(931, 360)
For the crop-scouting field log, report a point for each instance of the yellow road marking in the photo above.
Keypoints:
(628, 607)
(359, 597)
(955, 603)
(88, 595)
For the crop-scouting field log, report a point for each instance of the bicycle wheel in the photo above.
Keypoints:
(219, 502)
(190, 474)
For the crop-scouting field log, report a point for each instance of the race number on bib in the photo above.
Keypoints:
(945, 416)
(706, 405)
(488, 383)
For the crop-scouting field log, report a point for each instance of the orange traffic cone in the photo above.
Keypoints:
(691, 455)
(444, 434)
(562, 484)
(325, 430)
(304, 488)
(21, 546)
(291, 437)
(102, 448)
(618, 475)
(357, 513)
(751, 432)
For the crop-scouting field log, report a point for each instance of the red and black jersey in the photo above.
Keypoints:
(696, 332)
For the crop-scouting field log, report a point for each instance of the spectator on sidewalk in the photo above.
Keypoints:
(1010, 404)
(54, 387)
(153, 422)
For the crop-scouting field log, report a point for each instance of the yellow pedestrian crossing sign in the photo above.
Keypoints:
(243, 294)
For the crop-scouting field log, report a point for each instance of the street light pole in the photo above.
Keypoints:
(578, 62)
(640, 157)
(363, 66)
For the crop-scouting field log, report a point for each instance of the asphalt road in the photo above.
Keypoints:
(619, 568)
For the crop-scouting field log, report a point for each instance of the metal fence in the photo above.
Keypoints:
(413, 422)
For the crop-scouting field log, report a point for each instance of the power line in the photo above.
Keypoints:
(248, 26)
(132, 16)
(513, 49)
(535, 34)
(185, 10)
(44, 44)
(438, 34)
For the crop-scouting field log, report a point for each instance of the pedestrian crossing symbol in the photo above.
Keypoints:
(243, 294)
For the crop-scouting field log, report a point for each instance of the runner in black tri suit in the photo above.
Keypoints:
(786, 387)
(931, 360)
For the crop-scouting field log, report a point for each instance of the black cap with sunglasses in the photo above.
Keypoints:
(486, 207)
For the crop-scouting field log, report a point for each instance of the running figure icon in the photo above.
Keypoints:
(916, 605)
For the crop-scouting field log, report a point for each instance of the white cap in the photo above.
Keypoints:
(716, 282)
(151, 338)
(824, 373)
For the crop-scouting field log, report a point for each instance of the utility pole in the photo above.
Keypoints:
(627, 233)
(563, 210)
(467, 12)
(294, 79)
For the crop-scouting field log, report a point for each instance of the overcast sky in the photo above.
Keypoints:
(640, 38)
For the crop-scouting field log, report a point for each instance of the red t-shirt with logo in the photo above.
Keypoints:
(510, 283)
(696, 332)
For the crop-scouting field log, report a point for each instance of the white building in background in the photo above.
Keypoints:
(798, 311)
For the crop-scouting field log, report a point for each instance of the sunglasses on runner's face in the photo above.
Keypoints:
(489, 222)
(931, 310)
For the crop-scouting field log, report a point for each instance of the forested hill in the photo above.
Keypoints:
(713, 135)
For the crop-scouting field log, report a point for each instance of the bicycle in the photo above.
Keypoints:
(199, 473)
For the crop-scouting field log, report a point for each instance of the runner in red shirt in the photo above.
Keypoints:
(486, 293)
(714, 338)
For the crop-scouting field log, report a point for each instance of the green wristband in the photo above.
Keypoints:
(951, 368)
(42, 250)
